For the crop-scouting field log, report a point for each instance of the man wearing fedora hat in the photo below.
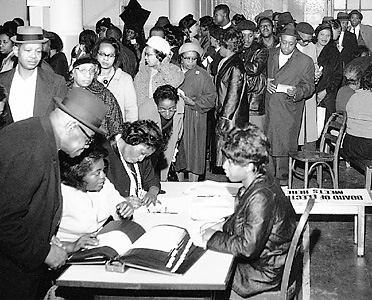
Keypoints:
(31, 89)
(362, 32)
(290, 82)
(30, 197)
(346, 42)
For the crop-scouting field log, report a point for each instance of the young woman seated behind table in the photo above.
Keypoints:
(89, 199)
(260, 230)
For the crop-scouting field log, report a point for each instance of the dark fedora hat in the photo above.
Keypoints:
(356, 12)
(343, 16)
(83, 106)
(285, 18)
(29, 35)
(289, 30)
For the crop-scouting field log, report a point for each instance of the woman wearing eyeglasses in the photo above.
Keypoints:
(171, 109)
(84, 75)
(199, 94)
(120, 84)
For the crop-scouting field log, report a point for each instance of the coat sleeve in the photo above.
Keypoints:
(258, 63)
(255, 230)
(305, 88)
(234, 90)
(18, 189)
(171, 74)
(148, 175)
(207, 98)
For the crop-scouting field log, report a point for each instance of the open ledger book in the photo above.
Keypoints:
(164, 249)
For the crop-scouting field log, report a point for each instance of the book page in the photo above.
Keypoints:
(115, 239)
(161, 237)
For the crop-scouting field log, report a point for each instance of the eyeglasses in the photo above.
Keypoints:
(149, 54)
(90, 139)
(163, 110)
(102, 54)
(85, 72)
(306, 41)
(189, 58)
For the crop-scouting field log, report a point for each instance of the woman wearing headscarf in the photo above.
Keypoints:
(156, 71)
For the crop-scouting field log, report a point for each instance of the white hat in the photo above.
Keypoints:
(159, 44)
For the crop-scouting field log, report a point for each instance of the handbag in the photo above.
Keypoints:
(172, 174)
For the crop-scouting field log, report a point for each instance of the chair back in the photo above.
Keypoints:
(333, 133)
(293, 249)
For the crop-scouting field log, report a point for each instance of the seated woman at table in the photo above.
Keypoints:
(171, 109)
(131, 170)
(260, 230)
(358, 138)
(89, 198)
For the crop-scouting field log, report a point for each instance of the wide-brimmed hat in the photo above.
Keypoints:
(305, 27)
(327, 19)
(186, 47)
(285, 18)
(162, 21)
(159, 44)
(87, 59)
(289, 30)
(29, 35)
(187, 21)
(246, 25)
(343, 16)
(356, 12)
(268, 13)
(83, 106)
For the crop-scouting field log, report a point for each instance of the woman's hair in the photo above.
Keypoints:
(206, 22)
(56, 42)
(353, 74)
(322, 27)
(232, 40)
(237, 18)
(165, 92)
(366, 81)
(8, 30)
(88, 38)
(74, 169)
(247, 145)
(173, 35)
(107, 40)
(159, 55)
(143, 132)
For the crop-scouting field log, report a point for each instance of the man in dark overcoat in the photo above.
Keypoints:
(290, 82)
(30, 196)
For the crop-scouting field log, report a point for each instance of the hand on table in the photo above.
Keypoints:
(126, 208)
(56, 257)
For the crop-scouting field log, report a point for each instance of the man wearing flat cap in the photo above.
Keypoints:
(290, 82)
(254, 56)
(363, 33)
(30, 196)
(31, 88)
(346, 42)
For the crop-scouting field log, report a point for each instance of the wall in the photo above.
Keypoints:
(11, 9)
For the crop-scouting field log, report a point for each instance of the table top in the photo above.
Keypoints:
(181, 201)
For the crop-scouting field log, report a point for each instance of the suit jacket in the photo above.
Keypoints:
(48, 85)
(366, 33)
(284, 113)
(350, 45)
(30, 204)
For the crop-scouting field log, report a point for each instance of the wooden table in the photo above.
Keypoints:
(206, 278)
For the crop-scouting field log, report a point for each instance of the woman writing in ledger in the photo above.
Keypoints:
(89, 199)
(131, 170)
(260, 230)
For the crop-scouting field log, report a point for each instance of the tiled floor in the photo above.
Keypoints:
(336, 271)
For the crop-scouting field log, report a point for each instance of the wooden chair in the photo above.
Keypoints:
(327, 156)
(290, 290)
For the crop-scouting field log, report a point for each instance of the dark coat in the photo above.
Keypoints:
(48, 85)
(30, 204)
(258, 234)
(255, 64)
(284, 113)
(232, 107)
(329, 59)
(119, 177)
(350, 45)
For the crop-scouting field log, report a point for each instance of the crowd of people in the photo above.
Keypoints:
(233, 94)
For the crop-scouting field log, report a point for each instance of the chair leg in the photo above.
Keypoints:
(368, 178)
(319, 175)
(306, 175)
(335, 173)
(290, 173)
